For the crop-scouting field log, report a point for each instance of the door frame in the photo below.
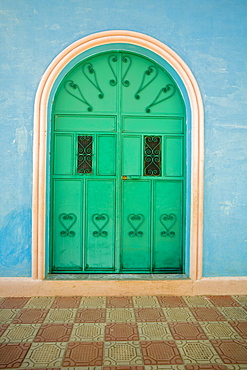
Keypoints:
(195, 117)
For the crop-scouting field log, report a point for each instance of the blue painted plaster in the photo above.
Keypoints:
(211, 38)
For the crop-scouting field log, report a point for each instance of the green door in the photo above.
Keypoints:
(117, 168)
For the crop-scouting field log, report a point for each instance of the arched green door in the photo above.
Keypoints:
(117, 168)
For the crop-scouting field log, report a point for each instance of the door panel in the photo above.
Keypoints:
(168, 226)
(118, 168)
(67, 222)
(136, 225)
(100, 216)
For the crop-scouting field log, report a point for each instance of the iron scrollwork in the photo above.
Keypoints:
(90, 74)
(144, 84)
(168, 91)
(126, 60)
(113, 59)
(152, 156)
(75, 91)
(100, 221)
(135, 222)
(85, 152)
(67, 220)
(168, 221)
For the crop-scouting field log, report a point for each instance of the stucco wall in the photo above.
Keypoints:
(211, 38)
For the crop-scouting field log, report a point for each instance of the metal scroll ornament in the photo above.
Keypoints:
(165, 93)
(111, 61)
(67, 220)
(75, 91)
(126, 60)
(100, 221)
(148, 77)
(168, 221)
(90, 74)
(85, 151)
(152, 156)
(135, 222)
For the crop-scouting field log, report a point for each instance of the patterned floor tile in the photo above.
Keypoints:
(119, 302)
(44, 355)
(231, 352)
(178, 314)
(122, 353)
(121, 332)
(3, 328)
(123, 368)
(206, 367)
(186, 330)
(240, 327)
(84, 354)
(12, 354)
(39, 302)
(223, 301)
(171, 301)
(91, 315)
(207, 314)
(17, 333)
(66, 302)
(242, 299)
(197, 301)
(146, 302)
(164, 367)
(149, 331)
(234, 313)
(89, 332)
(93, 302)
(198, 352)
(120, 315)
(30, 316)
(160, 353)
(219, 330)
(149, 314)
(60, 316)
(54, 333)
(13, 302)
(7, 316)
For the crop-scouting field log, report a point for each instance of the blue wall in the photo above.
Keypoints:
(211, 38)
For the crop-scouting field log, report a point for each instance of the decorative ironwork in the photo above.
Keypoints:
(147, 73)
(127, 60)
(100, 221)
(88, 71)
(168, 90)
(135, 222)
(152, 156)
(112, 59)
(85, 152)
(168, 221)
(75, 91)
(67, 220)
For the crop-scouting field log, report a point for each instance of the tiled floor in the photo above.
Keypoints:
(121, 333)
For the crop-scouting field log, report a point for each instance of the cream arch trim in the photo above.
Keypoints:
(40, 129)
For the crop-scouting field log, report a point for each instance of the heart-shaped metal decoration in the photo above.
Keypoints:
(67, 220)
(168, 221)
(135, 222)
(100, 221)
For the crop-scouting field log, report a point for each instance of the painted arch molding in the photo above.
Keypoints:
(40, 139)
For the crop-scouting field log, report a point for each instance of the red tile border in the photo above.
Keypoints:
(121, 331)
(31, 316)
(149, 314)
(84, 354)
(3, 328)
(207, 314)
(66, 302)
(91, 315)
(12, 354)
(171, 301)
(240, 327)
(13, 302)
(231, 351)
(119, 302)
(160, 353)
(186, 331)
(123, 367)
(205, 367)
(54, 333)
(223, 301)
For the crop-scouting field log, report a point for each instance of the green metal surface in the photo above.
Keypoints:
(117, 168)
